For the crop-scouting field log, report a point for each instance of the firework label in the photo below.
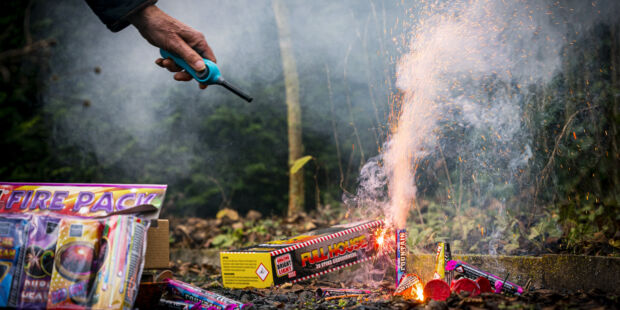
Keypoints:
(78, 199)
(401, 254)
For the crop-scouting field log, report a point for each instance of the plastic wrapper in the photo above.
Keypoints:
(38, 262)
(13, 231)
(75, 263)
(116, 283)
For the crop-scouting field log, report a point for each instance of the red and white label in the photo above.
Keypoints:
(262, 272)
(284, 265)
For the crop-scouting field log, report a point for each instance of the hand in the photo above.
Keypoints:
(165, 32)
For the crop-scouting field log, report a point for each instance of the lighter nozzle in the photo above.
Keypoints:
(235, 90)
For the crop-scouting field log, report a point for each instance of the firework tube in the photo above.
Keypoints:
(13, 234)
(473, 273)
(329, 292)
(436, 289)
(189, 292)
(75, 263)
(449, 274)
(440, 262)
(38, 262)
(401, 255)
(182, 305)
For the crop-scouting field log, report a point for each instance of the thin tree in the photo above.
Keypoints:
(291, 83)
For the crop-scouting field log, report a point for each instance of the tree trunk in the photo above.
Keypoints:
(291, 83)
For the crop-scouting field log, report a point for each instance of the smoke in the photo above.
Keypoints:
(466, 73)
(140, 125)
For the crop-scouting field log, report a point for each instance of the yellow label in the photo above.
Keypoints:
(241, 270)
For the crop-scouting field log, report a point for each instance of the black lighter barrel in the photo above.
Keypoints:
(235, 90)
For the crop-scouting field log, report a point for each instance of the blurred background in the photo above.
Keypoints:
(79, 103)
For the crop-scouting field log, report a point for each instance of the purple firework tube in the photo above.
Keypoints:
(38, 262)
(474, 273)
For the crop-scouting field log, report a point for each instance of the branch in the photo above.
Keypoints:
(557, 143)
(26, 50)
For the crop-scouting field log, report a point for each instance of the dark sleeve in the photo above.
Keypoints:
(114, 13)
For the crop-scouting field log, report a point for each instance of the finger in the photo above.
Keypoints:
(159, 62)
(188, 54)
(197, 40)
(183, 76)
(202, 86)
(171, 65)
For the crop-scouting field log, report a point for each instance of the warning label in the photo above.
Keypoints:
(284, 264)
(262, 272)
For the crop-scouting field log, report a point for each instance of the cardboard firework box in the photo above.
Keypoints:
(300, 258)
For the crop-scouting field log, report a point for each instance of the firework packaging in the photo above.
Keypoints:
(300, 258)
(322, 292)
(13, 235)
(122, 252)
(39, 262)
(75, 263)
(189, 292)
(471, 272)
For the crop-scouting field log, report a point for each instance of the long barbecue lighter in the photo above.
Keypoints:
(209, 76)
(401, 255)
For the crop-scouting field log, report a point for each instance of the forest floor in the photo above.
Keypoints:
(228, 230)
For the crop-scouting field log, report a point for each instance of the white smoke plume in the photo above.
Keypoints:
(468, 65)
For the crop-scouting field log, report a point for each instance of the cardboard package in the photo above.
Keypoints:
(300, 258)
(157, 245)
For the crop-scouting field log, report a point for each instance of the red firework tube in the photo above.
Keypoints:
(484, 284)
(401, 255)
(465, 284)
(472, 272)
(436, 289)
(328, 292)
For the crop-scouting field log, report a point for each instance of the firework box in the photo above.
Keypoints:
(300, 258)
(157, 245)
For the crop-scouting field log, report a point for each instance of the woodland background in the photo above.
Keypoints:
(219, 152)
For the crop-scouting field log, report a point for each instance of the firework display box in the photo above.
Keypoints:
(300, 258)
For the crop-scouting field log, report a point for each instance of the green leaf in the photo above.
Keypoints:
(299, 163)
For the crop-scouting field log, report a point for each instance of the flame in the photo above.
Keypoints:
(420, 292)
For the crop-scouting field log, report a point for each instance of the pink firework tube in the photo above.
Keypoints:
(183, 305)
(401, 254)
(328, 292)
(189, 292)
(474, 273)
